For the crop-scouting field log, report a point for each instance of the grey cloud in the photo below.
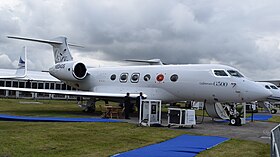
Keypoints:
(227, 32)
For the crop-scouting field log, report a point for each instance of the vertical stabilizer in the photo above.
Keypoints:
(61, 51)
(22, 64)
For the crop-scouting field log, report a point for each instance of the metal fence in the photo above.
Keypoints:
(275, 141)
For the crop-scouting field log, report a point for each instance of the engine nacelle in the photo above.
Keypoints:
(69, 71)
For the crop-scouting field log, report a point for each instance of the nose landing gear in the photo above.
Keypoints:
(234, 118)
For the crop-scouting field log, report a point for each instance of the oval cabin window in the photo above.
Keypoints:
(147, 77)
(123, 77)
(135, 77)
(113, 77)
(174, 78)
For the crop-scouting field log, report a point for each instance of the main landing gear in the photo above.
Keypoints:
(89, 106)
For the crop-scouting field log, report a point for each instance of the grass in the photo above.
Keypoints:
(90, 139)
(76, 139)
(236, 147)
(200, 113)
(59, 108)
(275, 119)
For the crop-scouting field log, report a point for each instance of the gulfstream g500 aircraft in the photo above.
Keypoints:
(169, 83)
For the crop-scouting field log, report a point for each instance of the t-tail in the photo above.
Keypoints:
(61, 50)
(65, 68)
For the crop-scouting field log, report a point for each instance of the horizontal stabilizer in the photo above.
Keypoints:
(151, 61)
(44, 41)
(75, 45)
(36, 40)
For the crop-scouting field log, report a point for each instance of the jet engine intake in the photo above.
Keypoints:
(79, 71)
(69, 71)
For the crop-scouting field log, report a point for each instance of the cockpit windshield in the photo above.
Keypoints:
(234, 73)
(220, 73)
(267, 87)
(273, 87)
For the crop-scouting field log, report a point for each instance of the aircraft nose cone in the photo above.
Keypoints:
(260, 93)
(255, 92)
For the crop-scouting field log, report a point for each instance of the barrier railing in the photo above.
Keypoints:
(275, 141)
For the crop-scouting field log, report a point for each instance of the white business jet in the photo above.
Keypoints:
(268, 104)
(170, 83)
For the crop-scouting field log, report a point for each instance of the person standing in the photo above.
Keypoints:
(138, 102)
(127, 106)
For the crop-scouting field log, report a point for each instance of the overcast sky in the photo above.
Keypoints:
(243, 34)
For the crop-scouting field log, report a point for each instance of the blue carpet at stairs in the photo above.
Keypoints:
(260, 117)
(181, 146)
(53, 119)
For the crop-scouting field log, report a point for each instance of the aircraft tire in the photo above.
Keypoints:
(235, 121)
(273, 111)
(232, 121)
(89, 109)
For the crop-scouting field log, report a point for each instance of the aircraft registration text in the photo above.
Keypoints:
(218, 83)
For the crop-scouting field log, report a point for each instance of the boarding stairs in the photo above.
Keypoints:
(268, 107)
(265, 105)
(216, 110)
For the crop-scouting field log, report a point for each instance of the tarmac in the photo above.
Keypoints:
(254, 131)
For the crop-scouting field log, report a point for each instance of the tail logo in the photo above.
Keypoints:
(21, 63)
(60, 56)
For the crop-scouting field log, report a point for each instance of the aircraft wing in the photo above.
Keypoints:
(20, 73)
(12, 76)
(73, 93)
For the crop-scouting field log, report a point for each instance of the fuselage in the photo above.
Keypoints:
(173, 83)
(169, 83)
